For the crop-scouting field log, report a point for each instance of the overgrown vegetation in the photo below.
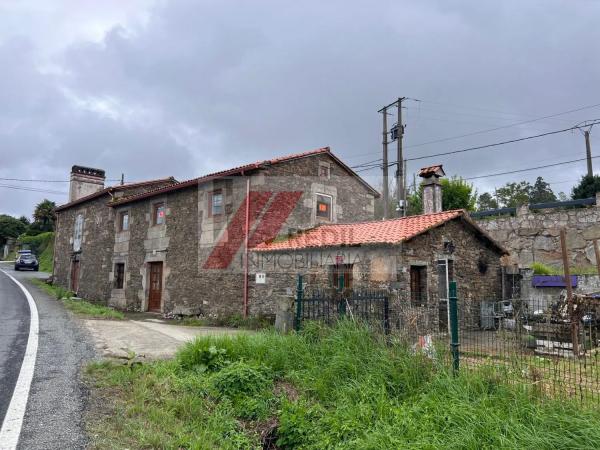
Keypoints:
(80, 307)
(233, 321)
(41, 245)
(543, 269)
(323, 388)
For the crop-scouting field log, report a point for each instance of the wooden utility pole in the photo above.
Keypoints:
(400, 161)
(597, 253)
(570, 308)
(588, 153)
(386, 194)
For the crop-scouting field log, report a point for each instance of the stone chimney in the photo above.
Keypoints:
(432, 189)
(85, 181)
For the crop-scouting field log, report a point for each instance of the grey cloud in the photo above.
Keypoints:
(200, 86)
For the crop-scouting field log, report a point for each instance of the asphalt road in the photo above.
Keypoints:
(56, 404)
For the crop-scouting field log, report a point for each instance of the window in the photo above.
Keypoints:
(159, 213)
(445, 275)
(119, 275)
(324, 206)
(324, 170)
(341, 276)
(78, 233)
(124, 221)
(215, 203)
(418, 285)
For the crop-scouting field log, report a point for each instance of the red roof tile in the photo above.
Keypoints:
(116, 188)
(239, 170)
(391, 231)
(432, 170)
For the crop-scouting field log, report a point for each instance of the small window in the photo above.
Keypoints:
(119, 275)
(324, 206)
(159, 213)
(324, 170)
(418, 285)
(78, 233)
(215, 200)
(341, 276)
(124, 221)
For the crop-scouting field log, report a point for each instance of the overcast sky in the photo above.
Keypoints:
(182, 88)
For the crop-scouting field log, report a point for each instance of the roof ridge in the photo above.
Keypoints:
(394, 219)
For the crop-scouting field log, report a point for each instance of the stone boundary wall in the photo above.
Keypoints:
(534, 235)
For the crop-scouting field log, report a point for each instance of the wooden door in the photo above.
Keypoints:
(74, 276)
(155, 291)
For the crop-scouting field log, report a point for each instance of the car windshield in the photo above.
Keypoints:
(27, 257)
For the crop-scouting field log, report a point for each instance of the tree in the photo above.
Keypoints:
(44, 217)
(10, 227)
(458, 194)
(486, 201)
(587, 187)
(514, 194)
(541, 192)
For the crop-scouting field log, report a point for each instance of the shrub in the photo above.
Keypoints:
(241, 379)
(202, 356)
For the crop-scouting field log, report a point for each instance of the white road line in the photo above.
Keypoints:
(13, 421)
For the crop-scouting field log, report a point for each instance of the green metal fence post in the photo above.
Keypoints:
(299, 295)
(454, 327)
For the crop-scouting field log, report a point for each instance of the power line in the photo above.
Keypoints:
(528, 169)
(32, 189)
(524, 122)
(46, 181)
(496, 144)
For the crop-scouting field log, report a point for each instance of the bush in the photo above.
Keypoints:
(202, 356)
(241, 379)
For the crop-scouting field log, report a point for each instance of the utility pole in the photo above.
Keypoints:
(386, 213)
(588, 153)
(400, 161)
(588, 146)
(122, 179)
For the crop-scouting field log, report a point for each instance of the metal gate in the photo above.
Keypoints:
(328, 305)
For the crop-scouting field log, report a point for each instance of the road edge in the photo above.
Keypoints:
(13, 420)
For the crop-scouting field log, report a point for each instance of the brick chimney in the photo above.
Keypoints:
(85, 181)
(432, 189)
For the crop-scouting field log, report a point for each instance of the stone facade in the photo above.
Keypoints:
(534, 235)
(202, 254)
(388, 268)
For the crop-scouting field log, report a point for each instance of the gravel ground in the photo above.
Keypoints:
(57, 399)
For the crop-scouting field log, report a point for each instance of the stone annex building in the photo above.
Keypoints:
(181, 247)
(413, 258)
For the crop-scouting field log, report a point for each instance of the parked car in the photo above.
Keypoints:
(27, 261)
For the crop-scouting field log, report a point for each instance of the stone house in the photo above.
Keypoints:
(413, 258)
(181, 247)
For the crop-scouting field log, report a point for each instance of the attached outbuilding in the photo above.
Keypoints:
(412, 258)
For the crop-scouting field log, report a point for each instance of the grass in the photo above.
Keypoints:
(543, 269)
(323, 388)
(233, 321)
(46, 258)
(79, 307)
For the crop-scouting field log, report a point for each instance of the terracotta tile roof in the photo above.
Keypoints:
(393, 231)
(432, 170)
(239, 170)
(116, 188)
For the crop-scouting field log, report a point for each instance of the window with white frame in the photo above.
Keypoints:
(78, 233)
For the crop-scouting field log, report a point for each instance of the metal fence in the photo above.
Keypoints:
(552, 346)
(328, 305)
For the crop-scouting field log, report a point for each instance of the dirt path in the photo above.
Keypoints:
(150, 338)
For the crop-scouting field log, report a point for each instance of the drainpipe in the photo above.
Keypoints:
(246, 247)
